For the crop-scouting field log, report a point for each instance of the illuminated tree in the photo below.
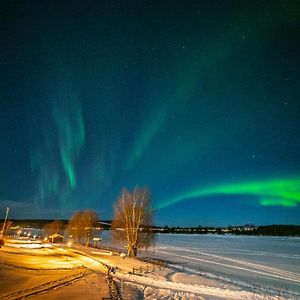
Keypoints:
(133, 220)
(83, 225)
(54, 227)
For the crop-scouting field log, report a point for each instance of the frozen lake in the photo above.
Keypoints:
(271, 264)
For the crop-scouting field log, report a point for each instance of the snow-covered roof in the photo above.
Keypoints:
(55, 235)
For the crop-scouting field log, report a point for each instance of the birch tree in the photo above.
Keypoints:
(54, 227)
(133, 220)
(83, 225)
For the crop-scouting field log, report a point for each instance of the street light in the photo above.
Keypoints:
(69, 244)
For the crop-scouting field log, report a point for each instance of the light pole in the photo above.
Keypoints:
(7, 210)
(69, 245)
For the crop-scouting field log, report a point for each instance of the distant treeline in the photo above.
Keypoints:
(276, 230)
(41, 223)
(33, 223)
(271, 230)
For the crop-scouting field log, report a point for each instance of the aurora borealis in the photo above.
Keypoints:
(277, 192)
(197, 100)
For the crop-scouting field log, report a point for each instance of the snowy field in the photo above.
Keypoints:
(268, 265)
(261, 263)
(198, 267)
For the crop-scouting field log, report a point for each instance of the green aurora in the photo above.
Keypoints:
(197, 100)
(192, 66)
(56, 178)
(71, 136)
(278, 192)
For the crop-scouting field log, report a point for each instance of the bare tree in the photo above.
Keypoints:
(54, 227)
(83, 225)
(133, 220)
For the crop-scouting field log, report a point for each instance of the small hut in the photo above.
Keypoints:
(96, 242)
(56, 238)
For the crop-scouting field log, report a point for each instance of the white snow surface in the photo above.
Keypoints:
(198, 267)
(243, 267)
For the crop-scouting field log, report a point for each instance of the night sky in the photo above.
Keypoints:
(197, 100)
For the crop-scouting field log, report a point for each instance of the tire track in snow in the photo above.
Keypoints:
(255, 265)
(239, 251)
(264, 270)
(50, 285)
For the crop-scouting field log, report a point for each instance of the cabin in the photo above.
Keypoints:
(96, 241)
(56, 238)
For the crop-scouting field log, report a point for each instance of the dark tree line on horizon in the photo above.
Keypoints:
(271, 230)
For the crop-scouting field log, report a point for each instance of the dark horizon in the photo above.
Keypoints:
(154, 225)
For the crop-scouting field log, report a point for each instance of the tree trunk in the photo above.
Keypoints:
(87, 241)
(132, 251)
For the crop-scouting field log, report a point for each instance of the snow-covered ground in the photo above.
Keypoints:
(267, 264)
(198, 267)
(264, 265)
(138, 279)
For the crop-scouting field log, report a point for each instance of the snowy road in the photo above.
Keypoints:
(33, 269)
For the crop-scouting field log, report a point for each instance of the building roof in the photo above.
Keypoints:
(55, 235)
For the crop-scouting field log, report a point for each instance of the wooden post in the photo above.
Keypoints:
(3, 228)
